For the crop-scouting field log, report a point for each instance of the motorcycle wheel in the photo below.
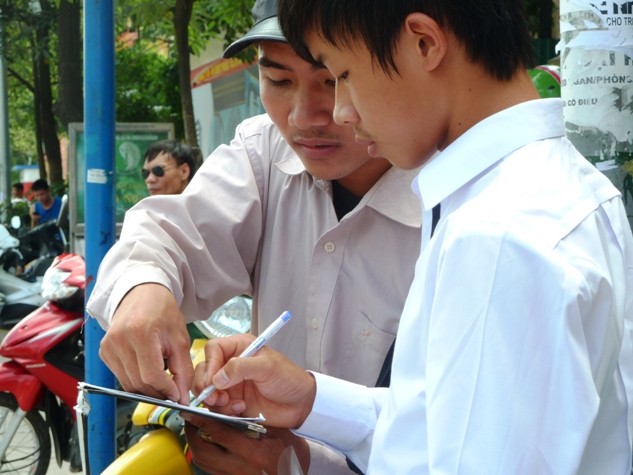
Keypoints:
(30, 449)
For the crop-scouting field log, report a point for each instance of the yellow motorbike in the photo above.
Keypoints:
(163, 449)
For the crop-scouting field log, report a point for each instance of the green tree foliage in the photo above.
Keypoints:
(225, 20)
(186, 27)
(539, 15)
(29, 34)
(21, 137)
(148, 74)
(147, 87)
(149, 78)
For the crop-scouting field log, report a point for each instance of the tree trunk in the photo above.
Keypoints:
(39, 150)
(45, 94)
(69, 106)
(182, 16)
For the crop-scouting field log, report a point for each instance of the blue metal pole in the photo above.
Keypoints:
(99, 120)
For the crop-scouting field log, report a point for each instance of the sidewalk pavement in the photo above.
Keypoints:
(53, 469)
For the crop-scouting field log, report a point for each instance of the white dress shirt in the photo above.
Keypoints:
(254, 221)
(514, 352)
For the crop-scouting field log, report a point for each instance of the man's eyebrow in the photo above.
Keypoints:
(268, 63)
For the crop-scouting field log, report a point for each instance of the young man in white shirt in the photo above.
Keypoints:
(292, 212)
(514, 351)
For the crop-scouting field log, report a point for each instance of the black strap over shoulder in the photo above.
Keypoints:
(353, 467)
(384, 377)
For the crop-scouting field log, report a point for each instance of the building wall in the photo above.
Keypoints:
(224, 92)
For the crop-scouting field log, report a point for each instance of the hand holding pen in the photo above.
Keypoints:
(270, 385)
(257, 343)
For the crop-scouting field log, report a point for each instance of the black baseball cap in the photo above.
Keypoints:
(266, 28)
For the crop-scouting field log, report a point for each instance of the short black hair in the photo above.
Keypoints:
(18, 186)
(494, 33)
(179, 151)
(40, 185)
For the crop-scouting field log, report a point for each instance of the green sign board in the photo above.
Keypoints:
(131, 142)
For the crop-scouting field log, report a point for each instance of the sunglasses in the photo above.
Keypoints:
(157, 171)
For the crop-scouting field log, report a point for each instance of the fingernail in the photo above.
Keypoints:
(221, 379)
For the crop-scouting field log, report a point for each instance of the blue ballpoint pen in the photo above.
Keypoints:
(250, 350)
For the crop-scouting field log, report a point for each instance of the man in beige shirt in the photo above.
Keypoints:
(292, 212)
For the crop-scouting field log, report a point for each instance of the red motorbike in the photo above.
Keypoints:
(43, 363)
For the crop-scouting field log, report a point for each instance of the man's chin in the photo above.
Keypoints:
(324, 172)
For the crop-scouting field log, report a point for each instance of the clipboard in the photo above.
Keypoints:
(244, 423)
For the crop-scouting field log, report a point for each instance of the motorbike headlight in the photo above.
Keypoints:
(232, 318)
(53, 286)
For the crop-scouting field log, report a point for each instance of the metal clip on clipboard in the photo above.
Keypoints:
(250, 425)
(82, 409)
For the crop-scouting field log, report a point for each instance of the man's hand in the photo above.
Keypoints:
(266, 383)
(147, 328)
(219, 449)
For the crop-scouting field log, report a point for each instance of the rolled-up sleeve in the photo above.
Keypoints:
(201, 244)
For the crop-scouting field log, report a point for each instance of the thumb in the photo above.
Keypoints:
(221, 380)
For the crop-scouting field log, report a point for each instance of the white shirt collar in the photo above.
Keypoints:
(485, 144)
(390, 196)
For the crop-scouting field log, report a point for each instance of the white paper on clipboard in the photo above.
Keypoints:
(244, 423)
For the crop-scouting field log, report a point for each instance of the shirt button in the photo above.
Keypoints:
(315, 323)
(329, 247)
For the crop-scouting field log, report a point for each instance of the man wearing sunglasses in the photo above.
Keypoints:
(168, 167)
(293, 212)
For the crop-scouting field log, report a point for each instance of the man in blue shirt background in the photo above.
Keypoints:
(46, 207)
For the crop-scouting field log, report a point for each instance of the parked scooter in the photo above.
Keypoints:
(163, 449)
(38, 246)
(18, 297)
(33, 251)
(36, 251)
(45, 353)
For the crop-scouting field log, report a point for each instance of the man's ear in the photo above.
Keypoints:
(424, 33)
(185, 171)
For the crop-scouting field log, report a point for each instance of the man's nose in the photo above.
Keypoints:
(311, 109)
(344, 111)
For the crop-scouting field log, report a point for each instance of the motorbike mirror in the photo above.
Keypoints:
(62, 220)
(63, 211)
(16, 222)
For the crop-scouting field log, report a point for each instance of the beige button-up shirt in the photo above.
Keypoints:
(254, 221)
